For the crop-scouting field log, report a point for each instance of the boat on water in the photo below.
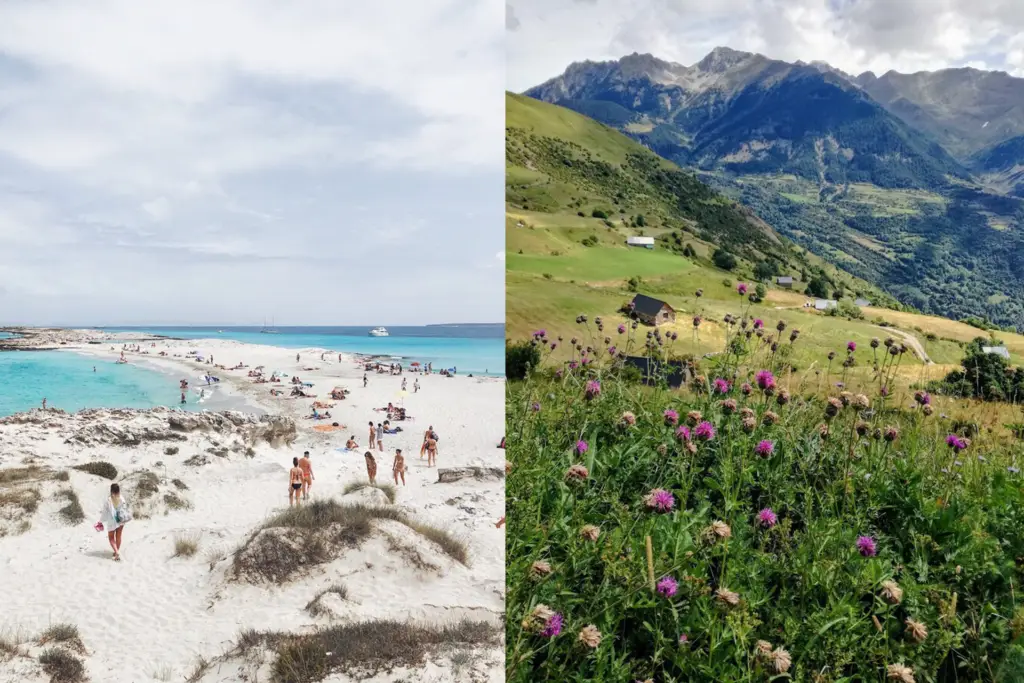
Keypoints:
(268, 330)
(379, 332)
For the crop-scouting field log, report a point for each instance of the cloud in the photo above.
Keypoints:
(853, 35)
(221, 162)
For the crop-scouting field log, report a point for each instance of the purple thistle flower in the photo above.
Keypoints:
(746, 388)
(758, 323)
(573, 365)
(741, 288)
(553, 627)
(851, 346)
(765, 379)
(540, 333)
(582, 447)
(866, 546)
(683, 433)
(765, 448)
(722, 386)
(683, 639)
(536, 407)
(668, 586)
(705, 431)
(696, 321)
(671, 417)
(612, 350)
(767, 518)
(660, 500)
(593, 389)
(622, 328)
(955, 442)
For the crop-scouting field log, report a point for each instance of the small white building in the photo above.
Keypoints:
(646, 242)
(861, 302)
(825, 304)
(998, 350)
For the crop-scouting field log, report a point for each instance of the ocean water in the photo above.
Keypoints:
(472, 349)
(67, 381)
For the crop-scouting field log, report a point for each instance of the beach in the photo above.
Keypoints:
(214, 478)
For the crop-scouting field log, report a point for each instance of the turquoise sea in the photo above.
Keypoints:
(66, 379)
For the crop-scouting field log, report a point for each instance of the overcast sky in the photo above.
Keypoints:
(545, 36)
(320, 162)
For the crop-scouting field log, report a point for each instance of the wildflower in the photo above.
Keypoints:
(891, 592)
(927, 409)
(553, 627)
(767, 518)
(683, 639)
(696, 321)
(874, 343)
(746, 388)
(538, 618)
(683, 433)
(769, 418)
(866, 546)
(718, 529)
(891, 433)
(780, 661)
(765, 380)
(833, 406)
(671, 417)
(845, 397)
(722, 386)
(535, 407)
(729, 406)
(590, 532)
(763, 648)
(508, 466)
(582, 447)
(900, 673)
(955, 442)
(693, 417)
(593, 390)
(727, 597)
(662, 449)
(851, 346)
(540, 569)
(861, 427)
(916, 631)
(667, 587)
(590, 636)
(577, 473)
(793, 335)
(660, 500)
(540, 333)
(783, 397)
(705, 431)
(765, 448)
(758, 323)
(699, 293)
(621, 328)
(781, 325)
(628, 418)
(612, 350)
(749, 424)
(922, 397)
(741, 288)
(573, 365)
(831, 355)
(884, 391)
(823, 430)
(861, 402)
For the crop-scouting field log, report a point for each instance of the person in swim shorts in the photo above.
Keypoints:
(371, 467)
(307, 474)
(294, 483)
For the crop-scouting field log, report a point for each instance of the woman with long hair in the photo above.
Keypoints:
(113, 516)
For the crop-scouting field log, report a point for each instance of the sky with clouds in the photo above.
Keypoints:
(545, 36)
(195, 162)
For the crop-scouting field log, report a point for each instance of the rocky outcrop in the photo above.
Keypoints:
(447, 475)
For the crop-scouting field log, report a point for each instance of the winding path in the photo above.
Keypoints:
(912, 342)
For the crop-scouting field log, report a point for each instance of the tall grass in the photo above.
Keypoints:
(796, 529)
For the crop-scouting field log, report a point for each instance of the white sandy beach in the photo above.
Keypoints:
(152, 617)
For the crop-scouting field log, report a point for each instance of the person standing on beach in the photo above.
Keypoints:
(380, 437)
(404, 380)
(431, 450)
(306, 465)
(113, 516)
(295, 483)
(296, 358)
(398, 469)
(371, 467)
(364, 380)
(416, 386)
(44, 403)
(426, 437)
(373, 436)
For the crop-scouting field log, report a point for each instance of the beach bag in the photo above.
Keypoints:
(98, 526)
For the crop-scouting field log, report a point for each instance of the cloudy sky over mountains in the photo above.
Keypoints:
(196, 162)
(545, 36)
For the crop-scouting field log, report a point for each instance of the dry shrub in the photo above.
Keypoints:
(25, 501)
(387, 489)
(10, 644)
(62, 666)
(144, 485)
(63, 634)
(72, 513)
(186, 545)
(18, 475)
(176, 502)
(99, 469)
(63, 476)
(179, 484)
(316, 609)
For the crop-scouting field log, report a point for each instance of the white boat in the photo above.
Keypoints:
(379, 332)
(268, 330)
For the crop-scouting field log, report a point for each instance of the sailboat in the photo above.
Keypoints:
(268, 330)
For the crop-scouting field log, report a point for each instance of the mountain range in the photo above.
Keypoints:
(912, 181)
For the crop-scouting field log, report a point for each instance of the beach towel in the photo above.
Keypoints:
(328, 428)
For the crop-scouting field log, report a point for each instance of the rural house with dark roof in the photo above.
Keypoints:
(652, 311)
(786, 281)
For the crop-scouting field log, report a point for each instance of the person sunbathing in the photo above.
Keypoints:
(351, 443)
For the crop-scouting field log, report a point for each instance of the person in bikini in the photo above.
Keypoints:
(373, 435)
(295, 483)
(431, 445)
(426, 436)
(307, 474)
(371, 467)
(398, 469)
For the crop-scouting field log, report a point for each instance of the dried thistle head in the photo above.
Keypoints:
(727, 597)
(762, 648)
(900, 673)
(916, 631)
(540, 569)
(590, 636)
(718, 529)
(590, 532)
(780, 661)
(891, 592)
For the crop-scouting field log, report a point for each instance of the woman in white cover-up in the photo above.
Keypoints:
(113, 516)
